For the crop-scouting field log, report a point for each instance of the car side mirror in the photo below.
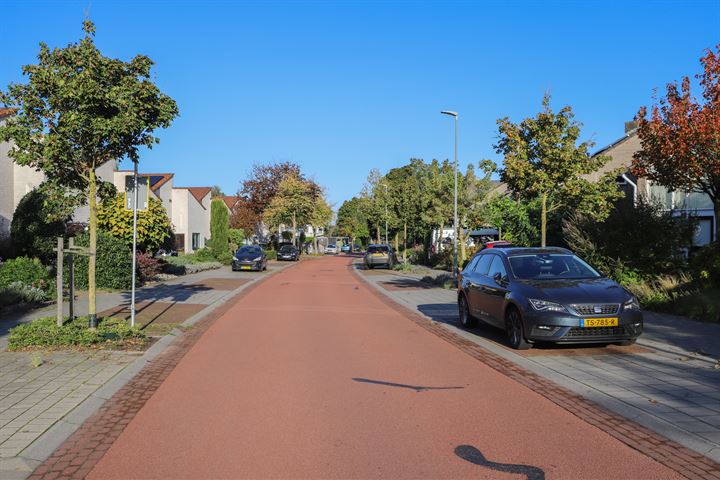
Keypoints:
(500, 279)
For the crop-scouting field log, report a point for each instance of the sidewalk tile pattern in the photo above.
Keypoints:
(32, 399)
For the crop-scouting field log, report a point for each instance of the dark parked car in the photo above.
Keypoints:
(546, 295)
(289, 253)
(345, 248)
(380, 255)
(249, 257)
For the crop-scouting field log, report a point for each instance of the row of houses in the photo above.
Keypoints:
(188, 208)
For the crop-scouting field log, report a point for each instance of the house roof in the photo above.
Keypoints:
(6, 112)
(198, 192)
(617, 142)
(230, 200)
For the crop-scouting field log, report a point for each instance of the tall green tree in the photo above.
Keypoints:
(35, 226)
(219, 228)
(352, 219)
(680, 138)
(78, 110)
(543, 160)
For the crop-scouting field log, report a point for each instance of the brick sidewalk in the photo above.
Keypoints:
(675, 456)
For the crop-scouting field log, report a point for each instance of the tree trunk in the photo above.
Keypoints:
(405, 242)
(92, 259)
(378, 233)
(461, 240)
(543, 219)
(294, 229)
(397, 234)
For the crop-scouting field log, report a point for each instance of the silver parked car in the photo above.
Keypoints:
(380, 256)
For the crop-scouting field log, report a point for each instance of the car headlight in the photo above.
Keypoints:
(236, 259)
(632, 305)
(257, 259)
(545, 306)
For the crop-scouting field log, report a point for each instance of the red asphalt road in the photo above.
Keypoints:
(281, 387)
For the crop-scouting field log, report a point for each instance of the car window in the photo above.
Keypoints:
(483, 265)
(470, 267)
(248, 250)
(550, 266)
(377, 249)
(497, 267)
(286, 248)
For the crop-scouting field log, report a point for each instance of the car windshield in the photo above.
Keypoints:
(249, 250)
(377, 249)
(549, 266)
(286, 248)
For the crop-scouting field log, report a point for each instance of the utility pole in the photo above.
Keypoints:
(134, 243)
(455, 215)
(386, 212)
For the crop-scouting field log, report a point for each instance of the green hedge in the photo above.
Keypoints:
(114, 263)
(44, 332)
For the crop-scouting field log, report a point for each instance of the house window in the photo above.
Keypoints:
(195, 241)
(704, 232)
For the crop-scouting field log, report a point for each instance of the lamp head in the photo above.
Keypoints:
(449, 112)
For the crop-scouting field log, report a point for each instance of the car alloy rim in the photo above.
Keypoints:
(514, 329)
(463, 311)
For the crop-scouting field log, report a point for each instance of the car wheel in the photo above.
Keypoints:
(514, 329)
(466, 320)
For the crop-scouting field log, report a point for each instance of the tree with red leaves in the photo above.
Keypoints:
(680, 138)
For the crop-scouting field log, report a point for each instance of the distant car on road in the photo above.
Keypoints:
(331, 249)
(357, 248)
(289, 253)
(249, 257)
(546, 295)
(345, 248)
(379, 255)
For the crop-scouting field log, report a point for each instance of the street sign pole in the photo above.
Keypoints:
(134, 242)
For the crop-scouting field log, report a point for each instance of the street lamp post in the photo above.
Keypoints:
(455, 214)
(386, 213)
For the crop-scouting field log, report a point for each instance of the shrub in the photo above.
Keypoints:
(236, 236)
(44, 332)
(271, 254)
(154, 228)
(225, 258)
(18, 292)
(204, 255)
(114, 262)
(35, 227)
(644, 238)
(28, 272)
(147, 266)
(705, 264)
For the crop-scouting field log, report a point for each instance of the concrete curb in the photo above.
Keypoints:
(21, 466)
(672, 432)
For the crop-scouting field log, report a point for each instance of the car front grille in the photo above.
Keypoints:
(596, 308)
(578, 332)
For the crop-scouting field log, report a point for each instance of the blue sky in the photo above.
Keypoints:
(343, 87)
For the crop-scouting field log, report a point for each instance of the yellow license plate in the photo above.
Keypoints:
(599, 322)
(378, 254)
(245, 267)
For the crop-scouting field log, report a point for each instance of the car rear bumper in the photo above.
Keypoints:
(256, 266)
(377, 261)
(565, 328)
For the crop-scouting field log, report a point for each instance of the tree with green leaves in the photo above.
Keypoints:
(439, 193)
(79, 110)
(352, 219)
(543, 160)
(293, 204)
(472, 191)
(153, 225)
(216, 191)
(219, 228)
(512, 218)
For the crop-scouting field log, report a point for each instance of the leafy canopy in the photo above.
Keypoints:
(80, 109)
